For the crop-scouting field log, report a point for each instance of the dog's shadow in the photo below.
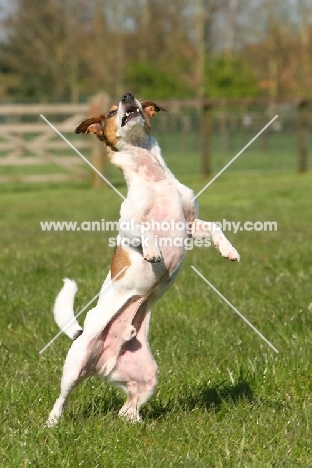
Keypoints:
(202, 397)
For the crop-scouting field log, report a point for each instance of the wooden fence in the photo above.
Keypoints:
(206, 106)
(27, 140)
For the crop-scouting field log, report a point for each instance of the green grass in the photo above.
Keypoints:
(224, 398)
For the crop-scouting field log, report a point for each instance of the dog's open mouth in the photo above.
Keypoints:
(130, 113)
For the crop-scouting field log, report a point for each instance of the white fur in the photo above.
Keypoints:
(125, 303)
(63, 310)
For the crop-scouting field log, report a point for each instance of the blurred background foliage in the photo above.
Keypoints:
(67, 50)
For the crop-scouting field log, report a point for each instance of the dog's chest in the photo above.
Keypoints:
(164, 208)
(149, 169)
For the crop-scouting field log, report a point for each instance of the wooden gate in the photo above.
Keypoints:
(26, 140)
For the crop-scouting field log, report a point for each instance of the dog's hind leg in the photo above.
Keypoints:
(74, 370)
(138, 392)
(136, 369)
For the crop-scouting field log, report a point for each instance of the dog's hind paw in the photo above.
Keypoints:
(129, 333)
(129, 415)
(50, 422)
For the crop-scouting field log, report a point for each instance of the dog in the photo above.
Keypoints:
(114, 340)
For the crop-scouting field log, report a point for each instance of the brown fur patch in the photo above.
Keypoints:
(153, 172)
(149, 110)
(120, 260)
(105, 127)
(110, 131)
(84, 126)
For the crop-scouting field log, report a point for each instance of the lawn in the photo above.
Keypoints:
(224, 397)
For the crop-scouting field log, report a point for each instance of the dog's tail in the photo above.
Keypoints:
(63, 310)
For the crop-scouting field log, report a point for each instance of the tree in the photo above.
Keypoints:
(231, 77)
(41, 48)
(149, 81)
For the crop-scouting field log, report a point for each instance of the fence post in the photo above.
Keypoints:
(99, 104)
(206, 139)
(303, 124)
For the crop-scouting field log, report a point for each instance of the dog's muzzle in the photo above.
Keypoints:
(130, 107)
(127, 98)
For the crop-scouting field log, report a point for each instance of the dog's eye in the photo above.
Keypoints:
(111, 113)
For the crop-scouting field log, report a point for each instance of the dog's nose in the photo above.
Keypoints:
(128, 98)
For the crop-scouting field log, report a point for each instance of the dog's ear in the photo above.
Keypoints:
(92, 125)
(150, 108)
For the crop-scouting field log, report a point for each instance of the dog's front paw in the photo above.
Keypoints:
(152, 255)
(152, 258)
(227, 250)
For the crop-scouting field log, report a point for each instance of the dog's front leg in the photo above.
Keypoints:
(149, 242)
(204, 229)
(141, 234)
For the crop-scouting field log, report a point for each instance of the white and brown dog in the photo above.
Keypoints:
(113, 342)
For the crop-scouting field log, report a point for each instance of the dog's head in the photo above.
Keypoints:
(127, 123)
